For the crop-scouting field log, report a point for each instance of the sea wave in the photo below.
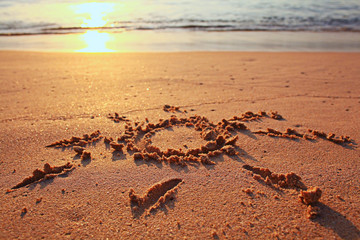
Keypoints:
(271, 23)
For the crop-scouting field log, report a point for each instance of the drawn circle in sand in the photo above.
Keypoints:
(214, 139)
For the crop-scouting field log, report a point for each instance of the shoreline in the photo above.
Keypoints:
(179, 41)
(171, 53)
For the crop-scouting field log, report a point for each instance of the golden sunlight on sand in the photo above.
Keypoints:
(217, 148)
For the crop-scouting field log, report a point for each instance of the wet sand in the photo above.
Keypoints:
(179, 145)
(174, 41)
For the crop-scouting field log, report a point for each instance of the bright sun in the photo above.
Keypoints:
(94, 14)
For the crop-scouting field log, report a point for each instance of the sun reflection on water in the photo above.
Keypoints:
(94, 15)
(96, 41)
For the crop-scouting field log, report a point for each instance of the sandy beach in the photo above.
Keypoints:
(200, 145)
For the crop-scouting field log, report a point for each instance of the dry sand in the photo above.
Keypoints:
(48, 97)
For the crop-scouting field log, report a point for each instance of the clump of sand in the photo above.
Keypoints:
(117, 118)
(78, 149)
(293, 134)
(310, 196)
(77, 141)
(331, 137)
(48, 172)
(173, 109)
(288, 180)
(155, 196)
(289, 133)
(85, 155)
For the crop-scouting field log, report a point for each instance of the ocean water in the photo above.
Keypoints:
(191, 20)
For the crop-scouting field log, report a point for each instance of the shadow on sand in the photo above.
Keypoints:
(334, 220)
